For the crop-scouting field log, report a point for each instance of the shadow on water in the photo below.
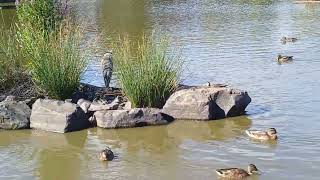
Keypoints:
(256, 109)
(159, 139)
(202, 131)
(7, 138)
(59, 155)
(154, 139)
(270, 143)
(53, 155)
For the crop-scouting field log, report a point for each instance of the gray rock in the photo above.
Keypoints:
(68, 100)
(10, 98)
(137, 117)
(2, 97)
(103, 105)
(127, 105)
(93, 121)
(14, 115)
(92, 93)
(206, 103)
(58, 116)
(30, 101)
(84, 105)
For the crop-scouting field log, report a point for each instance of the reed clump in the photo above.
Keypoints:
(50, 42)
(147, 73)
(12, 63)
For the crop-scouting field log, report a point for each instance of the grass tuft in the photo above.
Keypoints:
(12, 69)
(145, 71)
(56, 63)
(51, 44)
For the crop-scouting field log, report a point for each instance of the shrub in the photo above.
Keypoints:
(146, 72)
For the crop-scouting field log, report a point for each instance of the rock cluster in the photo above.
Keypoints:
(107, 108)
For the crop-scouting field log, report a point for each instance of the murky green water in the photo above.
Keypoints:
(233, 42)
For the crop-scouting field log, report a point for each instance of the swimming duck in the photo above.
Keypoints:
(106, 155)
(282, 59)
(270, 134)
(237, 173)
(215, 85)
(288, 39)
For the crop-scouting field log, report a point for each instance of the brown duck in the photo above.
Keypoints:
(282, 59)
(288, 39)
(106, 155)
(237, 173)
(270, 134)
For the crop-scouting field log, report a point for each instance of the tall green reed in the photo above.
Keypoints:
(147, 73)
(56, 64)
(50, 42)
(12, 63)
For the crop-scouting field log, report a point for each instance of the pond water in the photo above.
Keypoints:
(233, 42)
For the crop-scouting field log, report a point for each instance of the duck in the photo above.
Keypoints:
(270, 134)
(106, 155)
(209, 84)
(237, 173)
(282, 59)
(288, 39)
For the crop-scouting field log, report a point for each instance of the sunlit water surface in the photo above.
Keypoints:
(232, 42)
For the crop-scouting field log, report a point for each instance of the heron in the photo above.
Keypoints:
(107, 67)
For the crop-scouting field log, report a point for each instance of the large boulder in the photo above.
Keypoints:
(136, 117)
(14, 115)
(206, 103)
(58, 116)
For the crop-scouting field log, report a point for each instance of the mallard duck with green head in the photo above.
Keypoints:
(237, 173)
(270, 134)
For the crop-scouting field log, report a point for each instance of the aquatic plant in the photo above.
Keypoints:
(147, 73)
(50, 42)
(56, 63)
(41, 17)
(12, 70)
(45, 15)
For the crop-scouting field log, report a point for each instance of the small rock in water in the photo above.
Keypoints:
(106, 155)
(84, 105)
(68, 100)
(10, 98)
(104, 105)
